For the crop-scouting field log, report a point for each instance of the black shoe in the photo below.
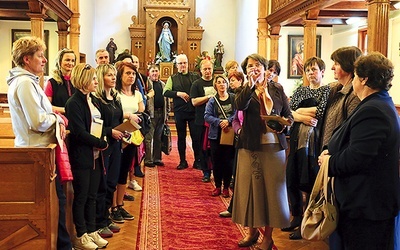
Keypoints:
(197, 165)
(116, 216)
(129, 197)
(182, 165)
(296, 222)
(296, 235)
(150, 165)
(125, 214)
(206, 179)
(159, 163)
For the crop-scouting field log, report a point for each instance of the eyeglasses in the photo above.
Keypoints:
(87, 66)
(180, 63)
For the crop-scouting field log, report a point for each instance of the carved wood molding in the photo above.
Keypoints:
(290, 10)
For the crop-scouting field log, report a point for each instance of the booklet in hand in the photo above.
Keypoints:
(128, 126)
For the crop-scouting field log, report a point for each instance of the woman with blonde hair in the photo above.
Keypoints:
(33, 119)
(59, 88)
(87, 143)
(111, 110)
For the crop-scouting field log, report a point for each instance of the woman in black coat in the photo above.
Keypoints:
(363, 157)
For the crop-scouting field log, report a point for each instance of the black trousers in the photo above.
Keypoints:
(86, 183)
(63, 240)
(357, 234)
(222, 158)
(182, 120)
(108, 184)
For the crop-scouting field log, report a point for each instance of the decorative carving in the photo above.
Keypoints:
(197, 21)
(180, 18)
(133, 18)
(138, 45)
(153, 17)
(193, 46)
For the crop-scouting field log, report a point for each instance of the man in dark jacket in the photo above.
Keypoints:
(178, 88)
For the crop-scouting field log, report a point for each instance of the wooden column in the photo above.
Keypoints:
(62, 34)
(310, 42)
(37, 25)
(378, 25)
(274, 47)
(75, 28)
(62, 39)
(37, 29)
(262, 30)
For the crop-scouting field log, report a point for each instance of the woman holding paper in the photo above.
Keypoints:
(132, 102)
(219, 114)
(260, 198)
(111, 109)
(87, 143)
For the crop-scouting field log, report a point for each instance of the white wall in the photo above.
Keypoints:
(105, 22)
(246, 29)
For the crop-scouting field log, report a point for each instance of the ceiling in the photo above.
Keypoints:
(328, 12)
(53, 10)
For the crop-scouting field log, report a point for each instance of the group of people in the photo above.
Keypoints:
(89, 103)
(352, 124)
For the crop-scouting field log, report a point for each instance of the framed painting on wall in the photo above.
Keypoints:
(18, 33)
(295, 52)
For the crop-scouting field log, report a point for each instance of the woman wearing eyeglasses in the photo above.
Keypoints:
(260, 198)
(87, 141)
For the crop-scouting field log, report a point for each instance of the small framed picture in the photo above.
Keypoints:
(296, 54)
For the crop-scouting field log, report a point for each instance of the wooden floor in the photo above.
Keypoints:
(126, 238)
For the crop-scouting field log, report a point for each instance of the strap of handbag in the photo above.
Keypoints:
(323, 181)
(220, 107)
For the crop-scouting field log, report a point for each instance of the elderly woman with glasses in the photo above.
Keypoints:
(260, 198)
(87, 141)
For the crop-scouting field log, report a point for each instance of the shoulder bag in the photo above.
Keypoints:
(227, 134)
(321, 216)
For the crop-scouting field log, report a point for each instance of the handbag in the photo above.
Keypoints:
(227, 134)
(321, 216)
(166, 140)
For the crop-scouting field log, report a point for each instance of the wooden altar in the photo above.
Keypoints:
(185, 27)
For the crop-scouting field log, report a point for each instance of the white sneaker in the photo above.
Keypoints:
(134, 185)
(100, 242)
(85, 243)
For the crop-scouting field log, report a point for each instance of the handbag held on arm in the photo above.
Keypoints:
(321, 216)
(227, 134)
(166, 140)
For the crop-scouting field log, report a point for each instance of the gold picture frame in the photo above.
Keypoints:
(18, 33)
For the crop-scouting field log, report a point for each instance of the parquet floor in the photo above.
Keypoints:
(126, 239)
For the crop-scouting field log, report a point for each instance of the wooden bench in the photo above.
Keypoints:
(6, 132)
(28, 199)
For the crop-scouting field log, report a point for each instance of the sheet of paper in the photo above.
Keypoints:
(97, 127)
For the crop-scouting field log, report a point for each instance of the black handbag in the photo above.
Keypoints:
(166, 140)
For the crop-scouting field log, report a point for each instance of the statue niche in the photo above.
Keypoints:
(166, 40)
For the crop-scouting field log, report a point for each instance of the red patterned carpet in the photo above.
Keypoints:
(178, 211)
